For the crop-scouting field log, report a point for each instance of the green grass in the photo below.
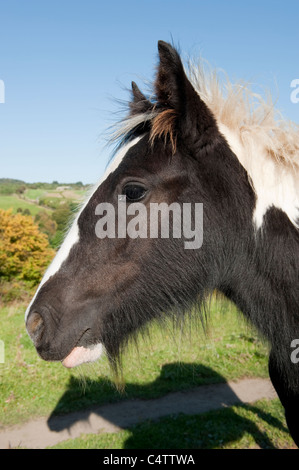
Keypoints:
(34, 193)
(261, 425)
(14, 202)
(166, 362)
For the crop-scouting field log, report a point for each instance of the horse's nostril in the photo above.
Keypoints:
(35, 326)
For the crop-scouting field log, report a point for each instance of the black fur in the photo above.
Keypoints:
(108, 289)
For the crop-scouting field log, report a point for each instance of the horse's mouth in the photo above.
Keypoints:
(81, 354)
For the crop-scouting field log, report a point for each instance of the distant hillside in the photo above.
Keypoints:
(19, 194)
(10, 181)
(10, 185)
(50, 204)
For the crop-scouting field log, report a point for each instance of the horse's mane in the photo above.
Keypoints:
(248, 114)
(252, 118)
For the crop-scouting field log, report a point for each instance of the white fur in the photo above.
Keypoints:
(73, 235)
(274, 184)
(266, 144)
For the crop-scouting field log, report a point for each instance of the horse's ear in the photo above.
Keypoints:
(183, 109)
(139, 103)
(170, 80)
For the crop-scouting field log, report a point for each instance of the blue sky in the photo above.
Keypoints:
(63, 63)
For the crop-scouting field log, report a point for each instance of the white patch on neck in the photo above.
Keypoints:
(274, 184)
(73, 235)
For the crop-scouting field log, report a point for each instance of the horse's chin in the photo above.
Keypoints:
(80, 355)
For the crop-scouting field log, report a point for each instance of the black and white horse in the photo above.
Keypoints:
(194, 142)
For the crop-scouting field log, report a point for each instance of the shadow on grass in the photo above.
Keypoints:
(214, 429)
(166, 413)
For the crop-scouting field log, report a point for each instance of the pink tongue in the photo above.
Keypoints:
(80, 355)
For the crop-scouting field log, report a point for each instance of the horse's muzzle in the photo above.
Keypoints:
(35, 326)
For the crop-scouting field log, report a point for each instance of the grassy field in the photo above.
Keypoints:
(34, 194)
(30, 198)
(168, 361)
(71, 194)
(14, 202)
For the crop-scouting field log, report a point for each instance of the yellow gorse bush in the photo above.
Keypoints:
(24, 250)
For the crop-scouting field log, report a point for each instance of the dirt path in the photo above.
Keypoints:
(43, 432)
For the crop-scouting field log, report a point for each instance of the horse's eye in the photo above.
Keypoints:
(134, 191)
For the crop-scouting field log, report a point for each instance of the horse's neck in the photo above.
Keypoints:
(264, 279)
